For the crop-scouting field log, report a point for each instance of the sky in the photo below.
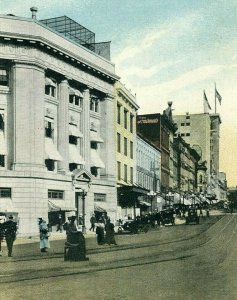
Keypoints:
(164, 51)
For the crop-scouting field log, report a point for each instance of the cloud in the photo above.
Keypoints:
(45, 7)
(140, 46)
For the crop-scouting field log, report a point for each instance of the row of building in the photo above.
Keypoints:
(71, 138)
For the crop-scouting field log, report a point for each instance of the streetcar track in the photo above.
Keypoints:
(88, 271)
(57, 255)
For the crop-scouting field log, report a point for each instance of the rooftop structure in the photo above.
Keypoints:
(79, 34)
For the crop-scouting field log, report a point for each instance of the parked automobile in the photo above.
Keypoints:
(167, 217)
(192, 216)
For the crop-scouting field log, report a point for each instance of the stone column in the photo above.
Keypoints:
(108, 154)
(28, 86)
(86, 128)
(63, 126)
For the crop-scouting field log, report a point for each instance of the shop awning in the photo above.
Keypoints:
(75, 92)
(57, 205)
(96, 160)
(99, 209)
(3, 148)
(75, 156)
(50, 82)
(160, 200)
(6, 205)
(73, 130)
(133, 189)
(144, 203)
(95, 137)
(187, 201)
(51, 151)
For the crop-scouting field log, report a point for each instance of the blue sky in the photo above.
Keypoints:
(164, 51)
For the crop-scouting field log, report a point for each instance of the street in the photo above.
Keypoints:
(172, 262)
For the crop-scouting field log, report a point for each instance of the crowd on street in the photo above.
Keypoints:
(103, 228)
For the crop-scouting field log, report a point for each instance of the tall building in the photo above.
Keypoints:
(56, 125)
(160, 130)
(125, 138)
(202, 132)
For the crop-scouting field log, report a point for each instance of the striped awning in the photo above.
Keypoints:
(57, 205)
(73, 130)
(75, 156)
(99, 209)
(96, 160)
(75, 92)
(95, 137)
(49, 82)
(3, 148)
(51, 151)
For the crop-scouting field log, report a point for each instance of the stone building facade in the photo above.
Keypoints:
(202, 132)
(160, 130)
(148, 170)
(125, 139)
(56, 126)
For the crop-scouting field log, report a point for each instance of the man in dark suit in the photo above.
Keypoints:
(10, 228)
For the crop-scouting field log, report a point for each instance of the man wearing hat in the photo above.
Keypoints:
(10, 233)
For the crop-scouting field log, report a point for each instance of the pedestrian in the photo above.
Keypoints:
(109, 236)
(2, 220)
(71, 227)
(44, 236)
(93, 221)
(60, 223)
(100, 232)
(10, 228)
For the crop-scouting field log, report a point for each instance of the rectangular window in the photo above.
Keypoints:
(119, 170)
(187, 117)
(49, 163)
(131, 174)
(3, 77)
(1, 122)
(118, 142)
(48, 129)
(2, 161)
(55, 194)
(94, 171)
(131, 123)
(187, 124)
(125, 119)
(72, 139)
(125, 175)
(125, 146)
(131, 150)
(5, 193)
(100, 197)
(182, 124)
(187, 134)
(50, 90)
(118, 113)
(94, 145)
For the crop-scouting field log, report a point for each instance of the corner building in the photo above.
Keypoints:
(56, 126)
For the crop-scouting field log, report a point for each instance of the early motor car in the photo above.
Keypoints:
(192, 216)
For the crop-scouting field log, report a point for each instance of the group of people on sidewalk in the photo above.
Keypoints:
(8, 230)
(104, 230)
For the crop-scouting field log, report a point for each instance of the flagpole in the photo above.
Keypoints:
(215, 98)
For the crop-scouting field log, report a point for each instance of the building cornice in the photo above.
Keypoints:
(29, 35)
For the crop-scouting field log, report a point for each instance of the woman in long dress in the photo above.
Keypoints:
(44, 236)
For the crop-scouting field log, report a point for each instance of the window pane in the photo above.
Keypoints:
(5, 192)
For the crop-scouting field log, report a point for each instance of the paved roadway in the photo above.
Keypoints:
(173, 262)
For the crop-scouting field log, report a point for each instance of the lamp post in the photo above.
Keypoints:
(81, 220)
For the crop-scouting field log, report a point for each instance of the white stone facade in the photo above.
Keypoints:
(57, 139)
